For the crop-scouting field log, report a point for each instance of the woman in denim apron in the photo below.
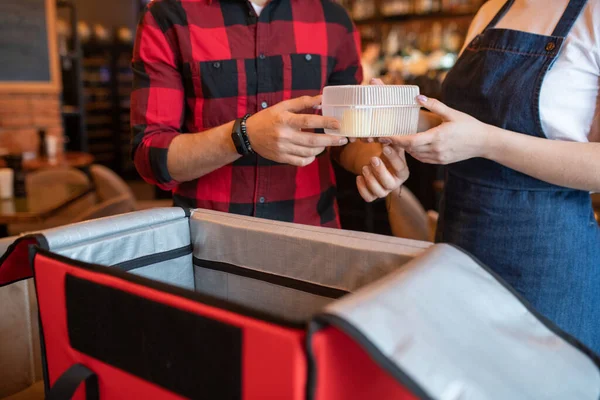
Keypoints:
(498, 203)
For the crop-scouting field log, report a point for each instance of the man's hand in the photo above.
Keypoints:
(383, 175)
(275, 133)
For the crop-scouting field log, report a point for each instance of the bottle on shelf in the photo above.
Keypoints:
(42, 144)
(436, 37)
(423, 6)
(363, 9)
(396, 7)
(453, 39)
(461, 6)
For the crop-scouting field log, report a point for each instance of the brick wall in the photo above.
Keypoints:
(22, 114)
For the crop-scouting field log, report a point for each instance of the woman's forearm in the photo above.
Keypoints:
(461, 137)
(569, 164)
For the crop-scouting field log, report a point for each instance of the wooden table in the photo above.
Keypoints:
(41, 203)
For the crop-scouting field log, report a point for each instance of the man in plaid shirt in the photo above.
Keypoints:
(200, 65)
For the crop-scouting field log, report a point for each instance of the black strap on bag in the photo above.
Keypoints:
(66, 386)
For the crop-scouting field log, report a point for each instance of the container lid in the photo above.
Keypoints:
(370, 95)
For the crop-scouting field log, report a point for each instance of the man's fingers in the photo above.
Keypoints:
(363, 190)
(308, 121)
(304, 152)
(372, 183)
(383, 175)
(299, 104)
(298, 161)
(395, 162)
(306, 139)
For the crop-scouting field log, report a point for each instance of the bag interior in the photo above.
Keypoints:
(283, 271)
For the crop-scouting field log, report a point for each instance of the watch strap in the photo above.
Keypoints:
(244, 132)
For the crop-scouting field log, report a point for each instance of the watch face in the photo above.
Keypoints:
(237, 138)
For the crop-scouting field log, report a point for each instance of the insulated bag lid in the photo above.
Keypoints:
(458, 331)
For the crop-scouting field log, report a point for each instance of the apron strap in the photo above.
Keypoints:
(564, 25)
(569, 17)
(500, 14)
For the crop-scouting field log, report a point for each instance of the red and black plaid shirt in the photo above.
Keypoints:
(199, 64)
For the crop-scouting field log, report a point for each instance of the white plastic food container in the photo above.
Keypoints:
(373, 110)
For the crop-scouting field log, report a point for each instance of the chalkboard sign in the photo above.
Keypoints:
(28, 51)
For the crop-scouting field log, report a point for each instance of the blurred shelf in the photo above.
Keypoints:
(390, 19)
(104, 158)
(71, 56)
(100, 135)
(70, 111)
(107, 81)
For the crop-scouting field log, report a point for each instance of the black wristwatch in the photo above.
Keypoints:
(239, 135)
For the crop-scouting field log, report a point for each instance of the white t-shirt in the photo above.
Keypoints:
(258, 9)
(570, 94)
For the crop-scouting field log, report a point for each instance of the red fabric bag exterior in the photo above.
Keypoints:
(14, 264)
(273, 363)
(343, 370)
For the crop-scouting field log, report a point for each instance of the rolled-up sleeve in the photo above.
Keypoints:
(157, 99)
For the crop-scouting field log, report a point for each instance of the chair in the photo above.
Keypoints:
(114, 206)
(34, 392)
(69, 175)
(110, 185)
(64, 215)
(408, 219)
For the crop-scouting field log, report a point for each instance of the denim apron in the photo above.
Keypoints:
(541, 238)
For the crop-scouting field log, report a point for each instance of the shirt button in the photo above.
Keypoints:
(264, 104)
(261, 200)
(262, 56)
(217, 65)
(308, 57)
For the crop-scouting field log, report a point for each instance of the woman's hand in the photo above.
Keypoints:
(458, 138)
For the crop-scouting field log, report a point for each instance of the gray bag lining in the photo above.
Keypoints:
(152, 259)
(121, 247)
(176, 272)
(277, 280)
(90, 231)
(329, 257)
(290, 271)
(279, 301)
